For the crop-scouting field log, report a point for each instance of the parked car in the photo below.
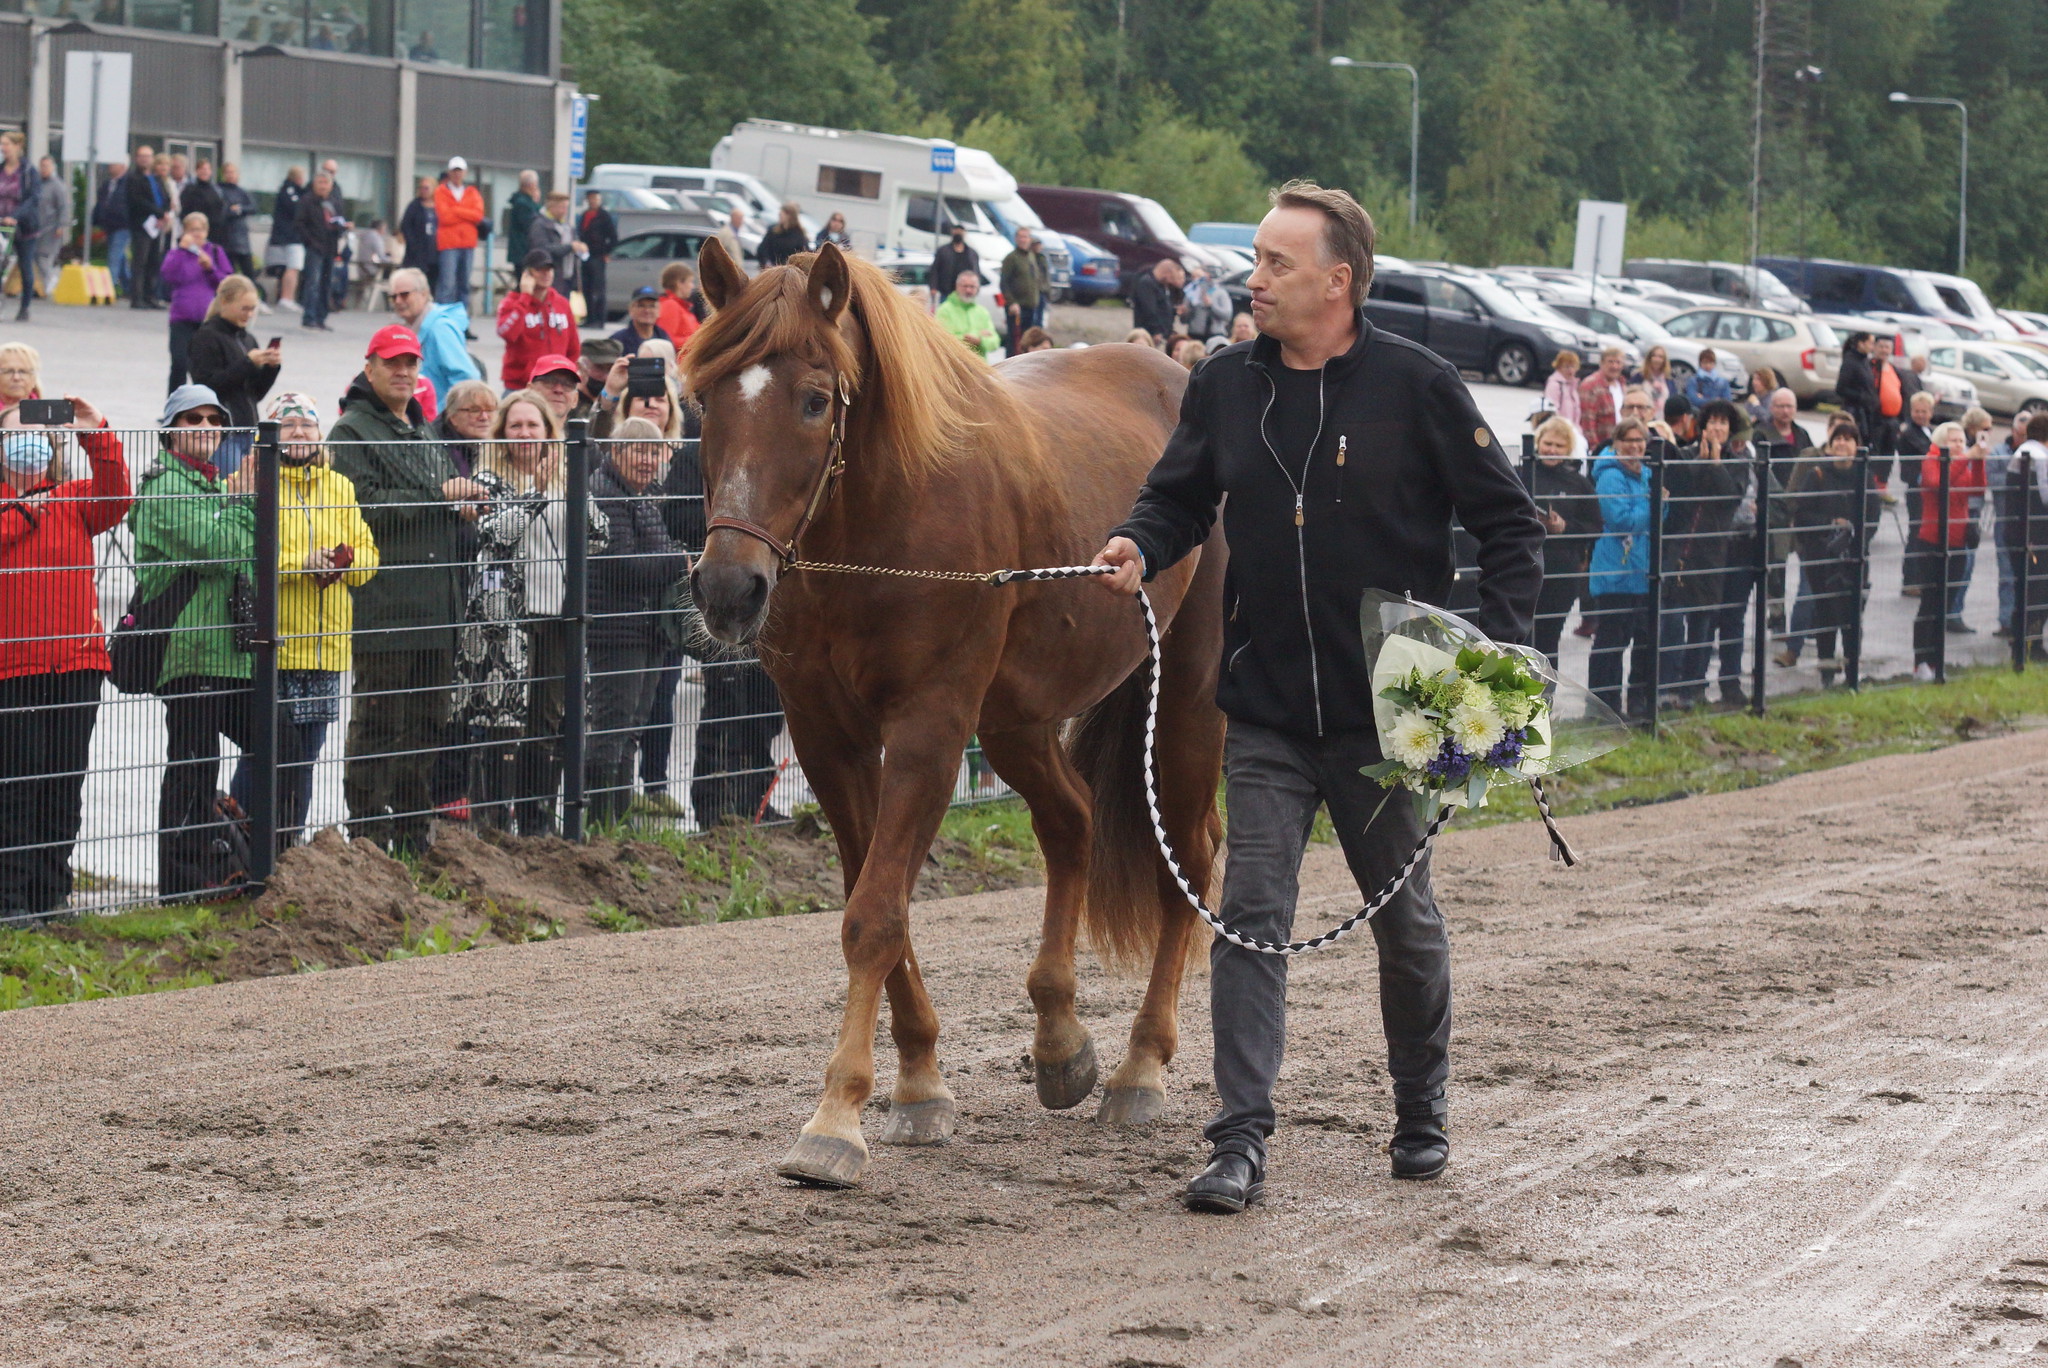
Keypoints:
(1850, 287)
(1138, 230)
(1801, 349)
(1642, 332)
(641, 256)
(762, 203)
(1723, 279)
(1473, 323)
(1095, 273)
(2010, 379)
(1238, 235)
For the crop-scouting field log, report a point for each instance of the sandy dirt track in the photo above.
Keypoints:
(1762, 1083)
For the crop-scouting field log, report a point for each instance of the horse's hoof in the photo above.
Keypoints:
(919, 1123)
(1069, 1083)
(823, 1161)
(1131, 1107)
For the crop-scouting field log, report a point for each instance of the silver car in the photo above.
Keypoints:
(1644, 333)
(2010, 379)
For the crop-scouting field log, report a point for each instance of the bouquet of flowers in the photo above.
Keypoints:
(1458, 713)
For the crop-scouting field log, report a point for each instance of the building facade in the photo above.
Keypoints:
(389, 89)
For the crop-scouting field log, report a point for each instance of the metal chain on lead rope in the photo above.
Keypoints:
(1559, 849)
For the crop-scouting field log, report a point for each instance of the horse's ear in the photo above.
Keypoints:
(830, 282)
(720, 276)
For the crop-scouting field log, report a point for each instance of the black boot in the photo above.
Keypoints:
(1232, 1181)
(1732, 695)
(1420, 1149)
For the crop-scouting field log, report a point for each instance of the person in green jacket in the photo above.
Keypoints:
(1025, 279)
(967, 318)
(415, 504)
(187, 517)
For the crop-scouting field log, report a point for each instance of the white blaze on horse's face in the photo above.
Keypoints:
(753, 380)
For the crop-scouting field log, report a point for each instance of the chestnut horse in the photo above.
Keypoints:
(951, 465)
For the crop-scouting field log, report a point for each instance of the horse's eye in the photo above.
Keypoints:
(815, 404)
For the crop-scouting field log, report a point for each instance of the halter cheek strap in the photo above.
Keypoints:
(828, 477)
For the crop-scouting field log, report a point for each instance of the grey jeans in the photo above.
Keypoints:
(1274, 782)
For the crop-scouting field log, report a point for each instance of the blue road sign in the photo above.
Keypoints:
(579, 134)
(942, 160)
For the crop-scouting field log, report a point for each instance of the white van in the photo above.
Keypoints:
(883, 183)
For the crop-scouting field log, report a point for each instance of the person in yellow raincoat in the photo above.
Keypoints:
(324, 553)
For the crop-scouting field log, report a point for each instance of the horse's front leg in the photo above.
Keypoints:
(921, 762)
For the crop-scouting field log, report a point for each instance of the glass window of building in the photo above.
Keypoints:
(434, 31)
(515, 35)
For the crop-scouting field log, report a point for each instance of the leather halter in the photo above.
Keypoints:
(828, 477)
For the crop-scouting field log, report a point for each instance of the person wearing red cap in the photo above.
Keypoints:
(415, 504)
(535, 322)
(556, 379)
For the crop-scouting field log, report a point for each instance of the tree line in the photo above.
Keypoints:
(1527, 107)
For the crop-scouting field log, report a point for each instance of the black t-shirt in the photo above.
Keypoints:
(1297, 413)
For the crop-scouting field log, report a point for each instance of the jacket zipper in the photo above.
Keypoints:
(1315, 681)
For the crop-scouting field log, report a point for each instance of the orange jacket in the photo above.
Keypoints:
(1965, 477)
(455, 220)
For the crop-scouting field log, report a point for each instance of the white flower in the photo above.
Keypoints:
(1516, 708)
(1476, 728)
(1412, 740)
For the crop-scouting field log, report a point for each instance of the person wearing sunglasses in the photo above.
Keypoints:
(189, 517)
(442, 331)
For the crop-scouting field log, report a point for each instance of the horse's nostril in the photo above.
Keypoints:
(730, 596)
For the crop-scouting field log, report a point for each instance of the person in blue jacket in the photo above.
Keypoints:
(445, 361)
(1620, 582)
(1707, 383)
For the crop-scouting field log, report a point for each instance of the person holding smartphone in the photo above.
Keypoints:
(53, 654)
(193, 271)
(224, 357)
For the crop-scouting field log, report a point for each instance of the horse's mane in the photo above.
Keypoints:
(917, 393)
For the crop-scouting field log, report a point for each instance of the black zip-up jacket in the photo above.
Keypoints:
(1401, 449)
(630, 581)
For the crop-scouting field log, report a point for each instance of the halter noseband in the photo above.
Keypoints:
(828, 476)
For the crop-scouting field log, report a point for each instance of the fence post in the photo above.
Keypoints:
(1852, 647)
(576, 608)
(1656, 583)
(2021, 645)
(263, 756)
(1760, 630)
(1529, 461)
(1941, 577)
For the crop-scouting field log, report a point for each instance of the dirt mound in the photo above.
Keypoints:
(331, 902)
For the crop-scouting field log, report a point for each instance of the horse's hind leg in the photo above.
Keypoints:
(1035, 764)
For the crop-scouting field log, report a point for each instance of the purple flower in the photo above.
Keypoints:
(1451, 764)
(1507, 752)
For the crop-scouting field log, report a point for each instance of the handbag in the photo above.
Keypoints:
(142, 638)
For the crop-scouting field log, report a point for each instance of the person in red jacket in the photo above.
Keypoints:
(458, 220)
(53, 653)
(534, 320)
(1965, 480)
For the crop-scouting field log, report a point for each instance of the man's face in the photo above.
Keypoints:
(177, 166)
(1919, 364)
(593, 371)
(739, 219)
(204, 171)
(230, 174)
(1923, 409)
(645, 311)
(1610, 368)
(144, 158)
(322, 184)
(968, 285)
(1024, 239)
(408, 301)
(559, 389)
(543, 279)
(1291, 285)
(1639, 406)
(424, 191)
(46, 168)
(393, 379)
(456, 176)
(1784, 408)
(593, 200)
(331, 167)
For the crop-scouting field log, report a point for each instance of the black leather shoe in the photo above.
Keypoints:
(1420, 1149)
(1231, 1183)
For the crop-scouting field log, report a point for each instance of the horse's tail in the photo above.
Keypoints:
(1107, 746)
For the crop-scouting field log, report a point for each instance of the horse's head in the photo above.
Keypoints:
(775, 371)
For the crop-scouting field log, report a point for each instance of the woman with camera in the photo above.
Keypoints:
(53, 658)
(511, 654)
(192, 271)
(324, 552)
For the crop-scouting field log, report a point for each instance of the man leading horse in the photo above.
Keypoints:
(1343, 453)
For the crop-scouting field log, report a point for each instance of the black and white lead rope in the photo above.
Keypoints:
(1560, 848)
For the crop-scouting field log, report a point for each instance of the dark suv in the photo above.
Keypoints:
(1475, 324)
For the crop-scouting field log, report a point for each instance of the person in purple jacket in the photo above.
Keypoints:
(193, 270)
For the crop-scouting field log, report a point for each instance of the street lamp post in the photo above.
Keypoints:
(1414, 118)
(1963, 194)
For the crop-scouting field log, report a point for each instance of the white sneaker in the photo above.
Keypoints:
(1924, 673)
(291, 304)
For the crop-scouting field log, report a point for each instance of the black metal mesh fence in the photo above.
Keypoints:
(334, 633)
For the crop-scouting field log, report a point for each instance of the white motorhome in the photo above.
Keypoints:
(884, 184)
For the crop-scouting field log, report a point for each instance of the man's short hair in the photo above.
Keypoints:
(1613, 354)
(674, 274)
(1635, 391)
(1787, 391)
(974, 276)
(412, 276)
(2037, 426)
(1348, 234)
